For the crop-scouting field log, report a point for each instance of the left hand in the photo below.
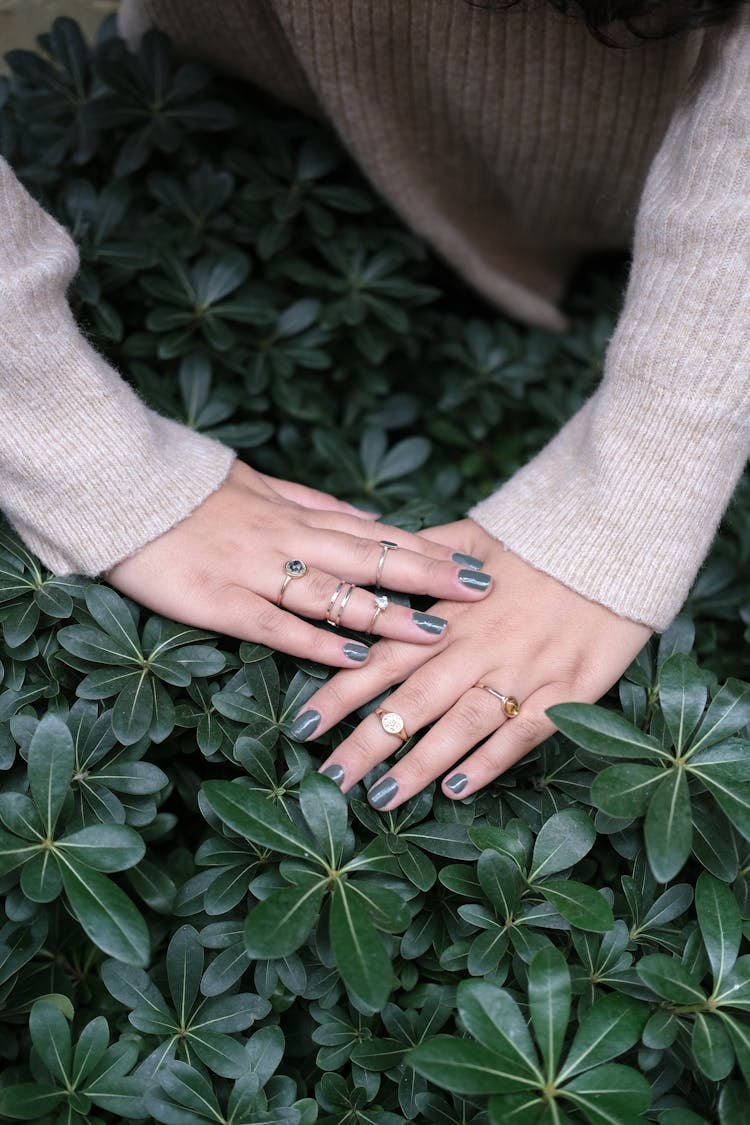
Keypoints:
(531, 638)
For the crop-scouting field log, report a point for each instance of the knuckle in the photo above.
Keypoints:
(269, 623)
(416, 699)
(472, 715)
(530, 729)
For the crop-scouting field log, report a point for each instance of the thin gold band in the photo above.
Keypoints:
(510, 703)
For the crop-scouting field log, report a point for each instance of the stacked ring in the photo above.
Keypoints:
(510, 703)
(392, 723)
(335, 618)
(381, 604)
(294, 568)
(387, 546)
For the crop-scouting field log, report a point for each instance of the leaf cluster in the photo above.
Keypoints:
(195, 926)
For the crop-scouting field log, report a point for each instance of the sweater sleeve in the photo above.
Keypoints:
(623, 503)
(88, 474)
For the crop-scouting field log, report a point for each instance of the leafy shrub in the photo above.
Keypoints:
(196, 926)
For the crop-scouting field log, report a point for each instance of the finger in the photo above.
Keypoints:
(419, 701)
(323, 597)
(239, 613)
(313, 498)
(514, 739)
(391, 662)
(407, 540)
(476, 714)
(385, 563)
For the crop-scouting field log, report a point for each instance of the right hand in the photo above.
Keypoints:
(222, 569)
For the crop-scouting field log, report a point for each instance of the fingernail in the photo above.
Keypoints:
(457, 783)
(304, 725)
(356, 652)
(476, 580)
(429, 623)
(467, 560)
(383, 792)
(335, 772)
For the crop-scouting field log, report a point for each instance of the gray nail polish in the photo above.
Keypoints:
(429, 623)
(467, 560)
(476, 580)
(356, 652)
(457, 783)
(335, 772)
(304, 725)
(383, 792)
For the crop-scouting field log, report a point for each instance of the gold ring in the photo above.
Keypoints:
(509, 702)
(381, 603)
(295, 568)
(392, 723)
(387, 546)
(342, 604)
(332, 602)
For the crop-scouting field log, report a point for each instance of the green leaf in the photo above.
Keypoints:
(90, 1048)
(324, 808)
(265, 1050)
(604, 732)
(112, 615)
(106, 914)
(732, 799)
(563, 840)
(500, 879)
(29, 1101)
(134, 708)
(682, 694)
(40, 878)
(50, 1035)
(385, 907)
(728, 713)
(712, 1047)
(465, 1068)
(97, 646)
(187, 1088)
(106, 847)
(720, 925)
(579, 904)
(14, 851)
(50, 767)
(668, 978)
(610, 1027)
(364, 965)
(625, 790)
(609, 1094)
(549, 1004)
(668, 827)
(254, 816)
(280, 924)
(495, 1020)
(184, 970)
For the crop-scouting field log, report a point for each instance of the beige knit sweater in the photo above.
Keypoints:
(514, 143)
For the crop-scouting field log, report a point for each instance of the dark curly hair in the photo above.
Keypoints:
(640, 19)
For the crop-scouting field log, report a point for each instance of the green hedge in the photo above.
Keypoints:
(197, 927)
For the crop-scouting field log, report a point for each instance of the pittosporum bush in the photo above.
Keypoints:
(196, 926)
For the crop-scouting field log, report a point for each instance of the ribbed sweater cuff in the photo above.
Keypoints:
(624, 514)
(89, 473)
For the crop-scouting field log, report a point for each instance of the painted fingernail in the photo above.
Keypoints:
(467, 560)
(429, 623)
(304, 725)
(476, 580)
(457, 783)
(335, 772)
(383, 792)
(356, 652)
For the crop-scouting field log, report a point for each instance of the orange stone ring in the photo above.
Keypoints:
(392, 723)
(509, 702)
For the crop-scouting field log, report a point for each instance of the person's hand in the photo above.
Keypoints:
(223, 569)
(531, 639)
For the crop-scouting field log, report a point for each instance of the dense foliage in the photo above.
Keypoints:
(196, 926)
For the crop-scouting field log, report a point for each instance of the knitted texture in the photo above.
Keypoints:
(88, 474)
(515, 142)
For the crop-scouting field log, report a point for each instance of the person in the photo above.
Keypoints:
(514, 141)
